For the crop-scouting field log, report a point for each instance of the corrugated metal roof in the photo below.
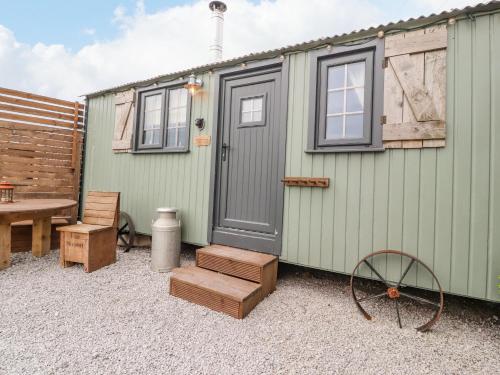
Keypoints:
(400, 25)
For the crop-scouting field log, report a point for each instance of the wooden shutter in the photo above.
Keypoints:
(415, 89)
(124, 121)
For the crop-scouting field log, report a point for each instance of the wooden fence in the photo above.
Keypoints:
(41, 145)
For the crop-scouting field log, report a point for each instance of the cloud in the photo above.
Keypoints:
(177, 38)
(89, 31)
(441, 5)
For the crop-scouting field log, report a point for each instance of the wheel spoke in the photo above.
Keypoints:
(123, 239)
(376, 273)
(123, 227)
(419, 299)
(372, 297)
(404, 273)
(397, 311)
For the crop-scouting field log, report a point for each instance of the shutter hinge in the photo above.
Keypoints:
(383, 120)
(385, 62)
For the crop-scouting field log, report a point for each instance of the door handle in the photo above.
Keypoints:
(224, 151)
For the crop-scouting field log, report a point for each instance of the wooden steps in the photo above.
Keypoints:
(230, 295)
(226, 279)
(249, 265)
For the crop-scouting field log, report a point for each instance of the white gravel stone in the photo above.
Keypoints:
(121, 320)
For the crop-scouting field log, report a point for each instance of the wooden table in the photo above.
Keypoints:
(38, 210)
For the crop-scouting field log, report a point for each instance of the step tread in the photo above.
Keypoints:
(228, 286)
(240, 255)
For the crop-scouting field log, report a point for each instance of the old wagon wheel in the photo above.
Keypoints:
(396, 290)
(126, 231)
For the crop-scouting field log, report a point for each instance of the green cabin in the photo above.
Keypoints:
(323, 152)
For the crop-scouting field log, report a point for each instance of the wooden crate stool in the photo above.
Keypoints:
(93, 242)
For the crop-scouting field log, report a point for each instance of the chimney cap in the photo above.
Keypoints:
(217, 5)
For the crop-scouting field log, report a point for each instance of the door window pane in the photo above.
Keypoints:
(251, 109)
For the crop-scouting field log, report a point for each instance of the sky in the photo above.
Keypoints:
(66, 49)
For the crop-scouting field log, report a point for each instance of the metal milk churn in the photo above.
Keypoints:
(166, 241)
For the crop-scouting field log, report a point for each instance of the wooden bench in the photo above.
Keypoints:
(92, 243)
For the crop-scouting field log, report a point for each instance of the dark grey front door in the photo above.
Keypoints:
(249, 192)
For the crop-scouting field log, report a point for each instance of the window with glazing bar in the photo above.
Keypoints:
(343, 109)
(163, 120)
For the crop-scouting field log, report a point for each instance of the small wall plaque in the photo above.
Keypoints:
(322, 182)
(202, 140)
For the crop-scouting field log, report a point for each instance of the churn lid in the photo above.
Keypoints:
(166, 209)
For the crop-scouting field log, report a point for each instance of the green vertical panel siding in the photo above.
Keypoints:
(442, 205)
(494, 205)
(480, 163)
(147, 182)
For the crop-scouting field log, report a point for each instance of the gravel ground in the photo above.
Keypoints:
(121, 320)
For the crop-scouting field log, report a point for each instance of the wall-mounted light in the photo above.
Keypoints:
(199, 123)
(193, 84)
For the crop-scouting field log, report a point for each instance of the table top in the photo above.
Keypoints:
(35, 206)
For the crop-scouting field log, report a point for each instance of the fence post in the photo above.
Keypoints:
(75, 161)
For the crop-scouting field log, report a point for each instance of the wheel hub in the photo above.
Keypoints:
(393, 292)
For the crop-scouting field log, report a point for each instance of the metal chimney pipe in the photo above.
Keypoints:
(218, 8)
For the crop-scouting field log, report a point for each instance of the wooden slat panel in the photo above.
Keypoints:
(415, 84)
(414, 131)
(38, 112)
(101, 199)
(101, 214)
(415, 44)
(419, 98)
(124, 121)
(35, 170)
(102, 194)
(100, 206)
(43, 195)
(97, 221)
(104, 209)
(31, 104)
(44, 188)
(41, 181)
(54, 174)
(18, 138)
(205, 298)
(35, 147)
(36, 97)
(36, 136)
(36, 120)
(34, 157)
(41, 129)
